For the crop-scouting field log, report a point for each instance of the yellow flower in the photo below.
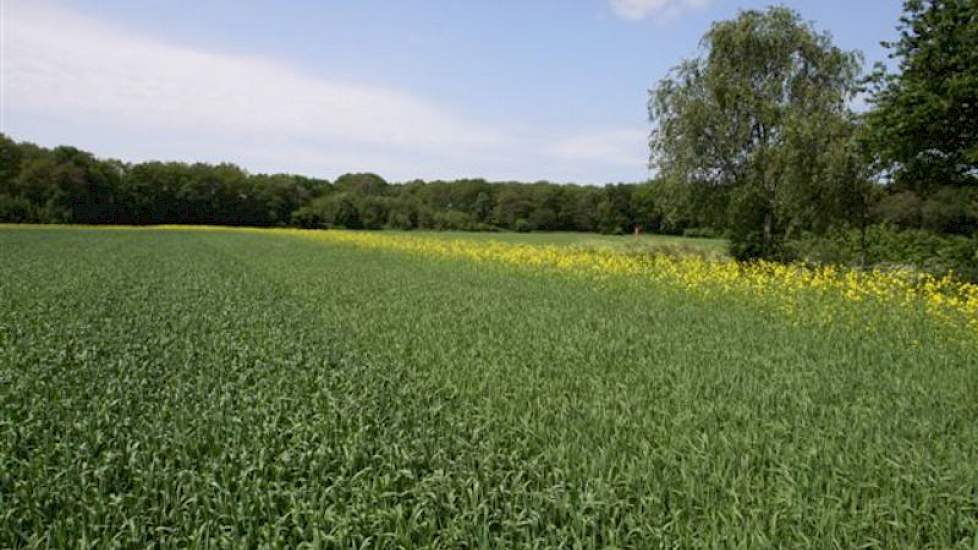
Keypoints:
(792, 289)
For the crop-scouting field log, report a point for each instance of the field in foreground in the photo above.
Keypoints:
(242, 387)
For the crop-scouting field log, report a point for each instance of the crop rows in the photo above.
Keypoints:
(246, 388)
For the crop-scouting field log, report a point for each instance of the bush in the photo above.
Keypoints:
(951, 210)
(901, 208)
(886, 245)
(947, 210)
(522, 226)
(745, 246)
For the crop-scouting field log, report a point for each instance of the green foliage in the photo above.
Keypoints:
(482, 207)
(951, 210)
(11, 156)
(948, 209)
(17, 210)
(614, 210)
(522, 225)
(885, 245)
(361, 184)
(232, 389)
(339, 210)
(923, 122)
(67, 185)
(758, 129)
(646, 212)
(402, 215)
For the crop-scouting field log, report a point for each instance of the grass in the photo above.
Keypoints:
(244, 388)
(646, 242)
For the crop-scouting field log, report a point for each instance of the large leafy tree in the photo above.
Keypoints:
(754, 128)
(925, 122)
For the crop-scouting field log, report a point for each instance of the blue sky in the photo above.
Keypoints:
(504, 89)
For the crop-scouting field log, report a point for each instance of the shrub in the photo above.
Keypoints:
(888, 245)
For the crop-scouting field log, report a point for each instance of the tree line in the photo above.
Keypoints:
(67, 185)
(755, 139)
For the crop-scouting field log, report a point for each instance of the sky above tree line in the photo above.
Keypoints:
(504, 89)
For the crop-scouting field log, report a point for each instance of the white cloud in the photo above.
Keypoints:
(640, 9)
(619, 147)
(57, 62)
(68, 78)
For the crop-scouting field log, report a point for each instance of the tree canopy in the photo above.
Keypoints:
(758, 128)
(924, 124)
(67, 185)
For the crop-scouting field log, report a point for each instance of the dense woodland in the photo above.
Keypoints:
(754, 140)
(66, 185)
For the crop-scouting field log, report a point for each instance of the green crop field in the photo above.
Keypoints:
(240, 388)
(628, 243)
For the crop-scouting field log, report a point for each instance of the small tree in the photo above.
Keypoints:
(748, 124)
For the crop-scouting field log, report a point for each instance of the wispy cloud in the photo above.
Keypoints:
(640, 9)
(68, 78)
(59, 62)
(617, 147)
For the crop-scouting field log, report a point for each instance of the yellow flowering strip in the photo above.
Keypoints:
(945, 298)
(782, 286)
